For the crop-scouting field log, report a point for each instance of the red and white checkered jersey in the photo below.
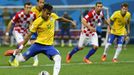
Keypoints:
(22, 21)
(93, 19)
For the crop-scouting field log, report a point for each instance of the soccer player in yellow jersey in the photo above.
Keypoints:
(37, 10)
(120, 19)
(44, 26)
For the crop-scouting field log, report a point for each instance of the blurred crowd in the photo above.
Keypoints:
(5, 17)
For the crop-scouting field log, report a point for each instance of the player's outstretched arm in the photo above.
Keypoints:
(128, 27)
(108, 23)
(66, 20)
(7, 31)
(8, 27)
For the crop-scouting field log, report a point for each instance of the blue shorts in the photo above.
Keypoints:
(34, 36)
(36, 48)
(112, 37)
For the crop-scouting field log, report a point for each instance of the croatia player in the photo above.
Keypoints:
(44, 26)
(121, 18)
(88, 34)
(21, 22)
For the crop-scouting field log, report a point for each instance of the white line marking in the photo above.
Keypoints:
(69, 64)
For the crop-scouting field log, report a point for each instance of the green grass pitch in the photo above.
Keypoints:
(125, 66)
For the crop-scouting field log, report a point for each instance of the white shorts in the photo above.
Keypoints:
(18, 37)
(83, 40)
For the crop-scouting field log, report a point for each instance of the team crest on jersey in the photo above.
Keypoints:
(49, 26)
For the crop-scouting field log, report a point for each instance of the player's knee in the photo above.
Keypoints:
(57, 58)
(80, 48)
(119, 47)
(108, 44)
(95, 47)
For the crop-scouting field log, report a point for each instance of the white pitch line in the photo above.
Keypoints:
(69, 64)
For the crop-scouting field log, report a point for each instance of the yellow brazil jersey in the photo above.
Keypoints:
(44, 29)
(37, 12)
(118, 27)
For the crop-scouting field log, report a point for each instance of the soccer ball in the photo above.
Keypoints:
(44, 73)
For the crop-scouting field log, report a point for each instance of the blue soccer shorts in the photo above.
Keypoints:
(112, 37)
(37, 48)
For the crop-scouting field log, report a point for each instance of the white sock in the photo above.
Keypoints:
(20, 58)
(62, 41)
(106, 48)
(35, 58)
(118, 50)
(57, 64)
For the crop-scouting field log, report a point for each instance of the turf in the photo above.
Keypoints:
(76, 66)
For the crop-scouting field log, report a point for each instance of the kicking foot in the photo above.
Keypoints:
(87, 61)
(14, 63)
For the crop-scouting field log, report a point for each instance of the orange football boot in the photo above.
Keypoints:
(103, 58)
(114, 60)
(68, 58)
(87, 61)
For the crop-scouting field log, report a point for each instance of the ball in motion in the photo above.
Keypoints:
(44, 73)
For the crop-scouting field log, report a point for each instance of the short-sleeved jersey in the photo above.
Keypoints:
(36, 11)
(22, 21)
(118, 27)
(93, 19)
(44, 29)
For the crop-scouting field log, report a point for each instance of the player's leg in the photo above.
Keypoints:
(36, 61)
(94, 42)
(54, 54)
(35, 58)
(126, 41)
(99, 38)
(57, 64)
(119, 48)
(12, 61)
(32, 51)
(115, 43)
(110, 40)
(19, 39)
(77, 48)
